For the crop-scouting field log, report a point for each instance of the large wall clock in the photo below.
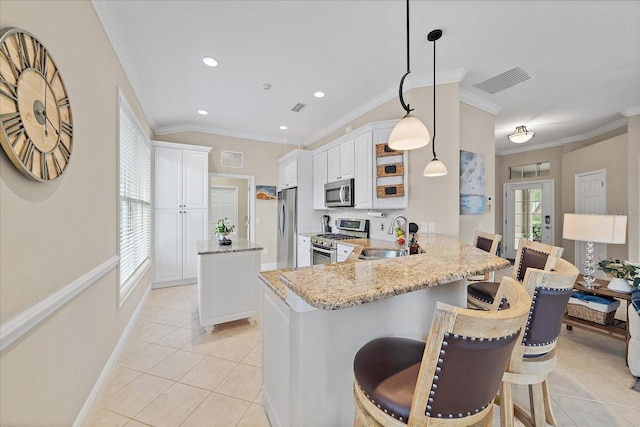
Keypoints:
(35, 113)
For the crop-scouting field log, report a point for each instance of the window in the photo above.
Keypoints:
(530, 171)
(135, 199)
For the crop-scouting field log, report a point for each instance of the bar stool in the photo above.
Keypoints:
(489, 243)
(535, 357)
(452, 379)
(530, 255)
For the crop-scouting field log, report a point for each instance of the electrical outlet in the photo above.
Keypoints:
(432, 227)
(258, 220)
(423, 227)
(265, 251)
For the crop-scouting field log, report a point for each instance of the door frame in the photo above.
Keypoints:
(251, 195)
(550, 197)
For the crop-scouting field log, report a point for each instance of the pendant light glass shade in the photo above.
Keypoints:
(409, 134)
(435, 168)
(521, 135)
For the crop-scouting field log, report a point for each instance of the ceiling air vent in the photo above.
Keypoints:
(504, 81)
(231, 159)
(298, 107)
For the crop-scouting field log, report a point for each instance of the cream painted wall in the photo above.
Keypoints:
(260, 160)
(54, 233)
(503, 163)
(243, 206)
(477, 134)
(601, 155)
(633, 189)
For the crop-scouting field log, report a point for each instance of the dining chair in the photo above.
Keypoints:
(529, 255)
(534, 357)
(452, 379)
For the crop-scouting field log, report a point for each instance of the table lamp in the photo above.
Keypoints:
(594, 229)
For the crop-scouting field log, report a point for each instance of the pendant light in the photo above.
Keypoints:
(521, 135)
(410, 133)
(435, 167)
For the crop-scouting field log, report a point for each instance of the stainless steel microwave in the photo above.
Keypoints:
(339, 194)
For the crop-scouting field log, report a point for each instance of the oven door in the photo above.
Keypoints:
(322, 255)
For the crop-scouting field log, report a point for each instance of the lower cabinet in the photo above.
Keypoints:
(275, 358)
(304, 251)
(343, 252)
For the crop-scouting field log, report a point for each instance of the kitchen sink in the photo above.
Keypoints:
(382, 253)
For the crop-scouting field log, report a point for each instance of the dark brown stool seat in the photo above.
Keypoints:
(387, 371)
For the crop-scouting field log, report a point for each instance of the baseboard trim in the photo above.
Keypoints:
(16, 327)
(84, 416)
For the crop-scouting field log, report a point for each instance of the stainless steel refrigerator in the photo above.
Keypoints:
(287, 227)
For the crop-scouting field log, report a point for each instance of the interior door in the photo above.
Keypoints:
(591, 198)
(528, 214)
(224, 204)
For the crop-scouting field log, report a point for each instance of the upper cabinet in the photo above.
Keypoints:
(380, 177)
(319, 179)
(288, 172)
(340, 161)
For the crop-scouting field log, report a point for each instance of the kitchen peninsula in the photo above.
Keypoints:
(227, 285)
(316, 318)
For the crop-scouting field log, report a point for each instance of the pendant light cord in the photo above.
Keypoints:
(406, 107)
(433, 144)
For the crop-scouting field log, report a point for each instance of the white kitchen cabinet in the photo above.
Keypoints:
(304, 251)
(343, 252)
(319, 179)
(363, 178)
(180, 211)
(340, 161)
(288, 173)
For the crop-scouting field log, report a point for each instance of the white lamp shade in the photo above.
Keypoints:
(409, 134)
(521, 135)
(435, 168)
(595, 228)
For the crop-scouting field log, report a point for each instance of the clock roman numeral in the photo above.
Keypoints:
(12, 123)
(66, 127)
(66, 154)
(12, 89)
(44, 166)
(39, 57)
(14, 67)
(64, 102)
(53, 77)
(21, 47)
(26, 155)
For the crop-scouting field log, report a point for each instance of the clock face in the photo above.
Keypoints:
(35, 114)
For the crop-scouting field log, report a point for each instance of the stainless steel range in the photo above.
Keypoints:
(324, 247)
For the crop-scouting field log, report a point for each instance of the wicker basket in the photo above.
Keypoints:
(586, 313)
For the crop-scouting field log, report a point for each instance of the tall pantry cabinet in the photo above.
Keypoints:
(181, 210)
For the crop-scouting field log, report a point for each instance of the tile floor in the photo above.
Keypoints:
(171, 373)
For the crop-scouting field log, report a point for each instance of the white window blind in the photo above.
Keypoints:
(135, 196)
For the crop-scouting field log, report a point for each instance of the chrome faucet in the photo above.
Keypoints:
(406, 227)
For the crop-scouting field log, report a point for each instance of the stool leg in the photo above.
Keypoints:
(506, 405)
(537, 404)
(551, 419)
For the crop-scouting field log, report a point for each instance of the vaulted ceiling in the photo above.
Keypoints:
(583, 57)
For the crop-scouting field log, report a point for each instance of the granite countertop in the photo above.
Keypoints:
(208, 247)
(354, 282)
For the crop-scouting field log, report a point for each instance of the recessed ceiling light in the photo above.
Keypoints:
(319, 94)
(211, 62)
(283, 127)
(203, 112)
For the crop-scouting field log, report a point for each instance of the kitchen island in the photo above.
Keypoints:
(316, 318)
(227, 281)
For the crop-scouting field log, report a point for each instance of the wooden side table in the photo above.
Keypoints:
(619, 329)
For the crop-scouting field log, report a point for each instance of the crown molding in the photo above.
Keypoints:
(479, 102)
(576, 138)
(166, 130)
(633, 111)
